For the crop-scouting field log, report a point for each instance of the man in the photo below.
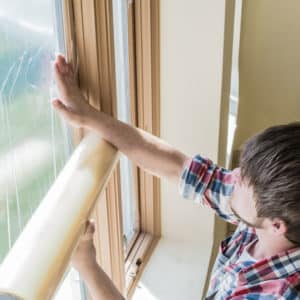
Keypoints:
(261, 260)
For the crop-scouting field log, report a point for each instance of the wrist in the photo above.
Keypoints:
(91, 119)
(88, 268)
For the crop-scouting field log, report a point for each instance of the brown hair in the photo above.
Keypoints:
(270, 161)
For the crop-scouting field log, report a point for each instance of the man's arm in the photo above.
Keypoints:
(146, 150)
(99, 284)
(84, 261)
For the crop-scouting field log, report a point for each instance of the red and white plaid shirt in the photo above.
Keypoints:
(276, 277)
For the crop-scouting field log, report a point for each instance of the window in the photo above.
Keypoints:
(125, 84)
(118, 63)
(34, 142)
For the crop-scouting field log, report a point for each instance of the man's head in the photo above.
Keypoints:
(267, 189)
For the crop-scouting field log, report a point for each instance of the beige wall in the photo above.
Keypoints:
(192, 34)
(269, 65)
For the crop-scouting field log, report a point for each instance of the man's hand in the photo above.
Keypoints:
(84, 256)
(71, 105)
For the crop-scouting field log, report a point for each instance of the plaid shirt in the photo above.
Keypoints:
(271, 278)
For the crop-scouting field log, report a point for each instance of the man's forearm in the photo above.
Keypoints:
(99, 284)
(146, 150)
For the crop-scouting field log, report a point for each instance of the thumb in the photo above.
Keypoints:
(61, 108)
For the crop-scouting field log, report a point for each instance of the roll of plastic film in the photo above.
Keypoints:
(47, 242)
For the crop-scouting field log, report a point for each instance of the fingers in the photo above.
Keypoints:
(63, 66)
(59, 63)
(90, 226)
(89, 231)
(59, 78)
(61, 59)
(64, 78)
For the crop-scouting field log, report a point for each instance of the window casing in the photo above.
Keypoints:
(95, 50)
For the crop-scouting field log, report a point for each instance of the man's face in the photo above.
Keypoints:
(242, 202)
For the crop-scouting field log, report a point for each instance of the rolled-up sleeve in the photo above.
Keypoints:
(206, 183)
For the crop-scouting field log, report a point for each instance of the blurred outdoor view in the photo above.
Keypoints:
(34, 143)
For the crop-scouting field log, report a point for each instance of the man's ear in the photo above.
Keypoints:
(278, 226)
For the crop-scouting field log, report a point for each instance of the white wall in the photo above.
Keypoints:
(192, 35)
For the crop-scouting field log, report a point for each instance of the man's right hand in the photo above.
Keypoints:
(84, 256)
(71, 105)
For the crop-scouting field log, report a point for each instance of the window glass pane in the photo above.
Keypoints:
(34, 143)
(234, 88)
(129, 201)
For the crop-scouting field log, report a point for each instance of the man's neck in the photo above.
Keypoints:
(268, 246)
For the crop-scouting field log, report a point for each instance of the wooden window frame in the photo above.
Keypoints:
(89, 42)
(143, 28)
(90, 46)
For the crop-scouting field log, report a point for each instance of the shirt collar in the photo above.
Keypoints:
(278, 266)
